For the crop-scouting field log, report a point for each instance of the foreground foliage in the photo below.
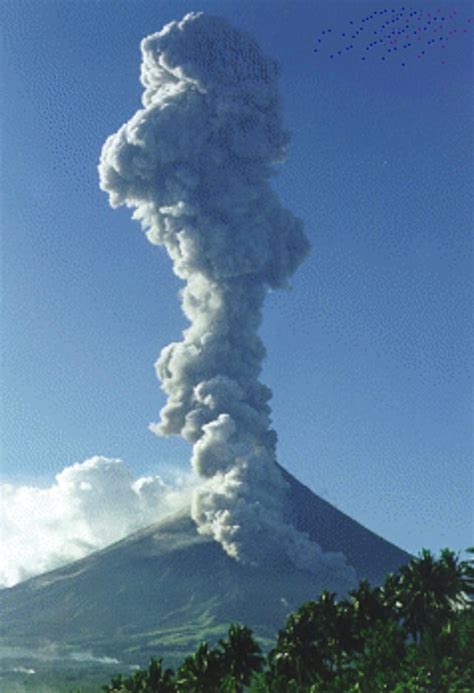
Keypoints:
(415, 633)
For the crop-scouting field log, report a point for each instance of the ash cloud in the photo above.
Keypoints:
(195, 162)
(90, 505)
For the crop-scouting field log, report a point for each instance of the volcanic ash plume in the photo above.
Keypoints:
(195, 163)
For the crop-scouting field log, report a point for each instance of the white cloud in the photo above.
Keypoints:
(91, 504)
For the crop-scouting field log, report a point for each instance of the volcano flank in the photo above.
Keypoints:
(163, 589)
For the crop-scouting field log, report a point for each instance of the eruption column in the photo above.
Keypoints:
(195, 163)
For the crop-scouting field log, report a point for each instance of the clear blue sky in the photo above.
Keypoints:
(369, 354)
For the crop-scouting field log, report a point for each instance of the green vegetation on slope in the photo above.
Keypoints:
(414, 633)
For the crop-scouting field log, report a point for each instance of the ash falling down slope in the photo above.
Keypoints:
(195, 164)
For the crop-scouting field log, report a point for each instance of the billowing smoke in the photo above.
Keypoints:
(90, 505)
(195, 164)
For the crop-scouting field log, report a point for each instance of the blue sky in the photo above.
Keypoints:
(369, 353)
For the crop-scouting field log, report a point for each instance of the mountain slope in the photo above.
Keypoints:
(370, 555)
(162, 589)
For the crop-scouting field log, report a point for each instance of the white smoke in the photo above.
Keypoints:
(90, 505)
(195, 164)
(49, 651)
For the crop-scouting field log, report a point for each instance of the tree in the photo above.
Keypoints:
(442, 662)
(160, 680)
(241, 657)
(295, 656)
(117, 683)
(201, 672)
(429, 590)
(155, 679)
(468, 577)
(317, 642)
(367, 605)
(376, 665)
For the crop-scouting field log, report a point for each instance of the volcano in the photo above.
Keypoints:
(195, 163)
(164, 588)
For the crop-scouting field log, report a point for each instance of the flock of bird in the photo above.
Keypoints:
(395, 34)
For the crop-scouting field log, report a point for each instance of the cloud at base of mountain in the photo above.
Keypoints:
(90, 504)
